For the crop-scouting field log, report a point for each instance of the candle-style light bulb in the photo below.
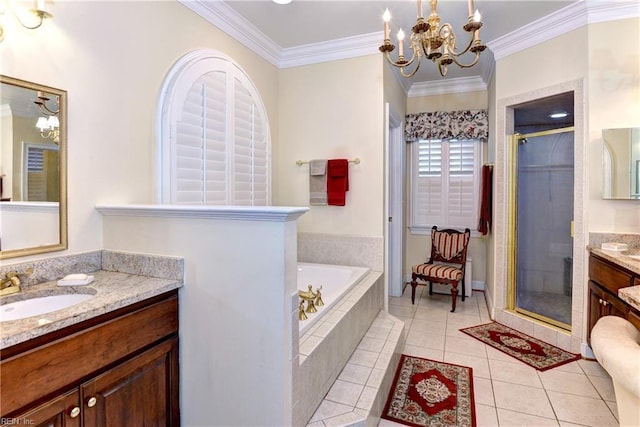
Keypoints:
(476, 16)
(40, 5)
(471, 7)
(386, 17)
(419, 8)
(400, 42)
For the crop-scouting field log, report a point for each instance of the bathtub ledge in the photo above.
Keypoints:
(369, 405)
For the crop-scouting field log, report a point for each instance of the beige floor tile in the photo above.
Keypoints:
(570, 367)
(345, 393)
(516, 373)
(480, 365)
(486, 416)
(401, 310)
(582, 410)
(483, 392)
(425, 353)
(568, 382)
(518, 419)
(519, 398)
(421, 339)
(436, 327)
(604, 386)
(613, 407)
(355, 373)
(329, 409)
(592, 368)
(465, 345)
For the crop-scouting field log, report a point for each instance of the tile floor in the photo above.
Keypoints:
(507, 392)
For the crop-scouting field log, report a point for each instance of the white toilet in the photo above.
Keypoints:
(616, 344)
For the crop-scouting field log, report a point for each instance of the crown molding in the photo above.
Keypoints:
(442, 87)
(331, 50)
(560, 22)
(235, 25)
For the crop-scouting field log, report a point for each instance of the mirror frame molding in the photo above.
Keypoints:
(62, 153)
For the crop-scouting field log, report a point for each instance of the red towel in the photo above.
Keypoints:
(487, 200)
(337, 181)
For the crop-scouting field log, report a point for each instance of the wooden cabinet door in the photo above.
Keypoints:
(603, 303)
(143, 391)
(62, 411)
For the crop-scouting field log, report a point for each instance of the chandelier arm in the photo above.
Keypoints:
(403, 64)
(411, 74)
(474, 62)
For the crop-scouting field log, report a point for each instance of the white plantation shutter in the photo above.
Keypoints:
(445, 184)
(218, 150)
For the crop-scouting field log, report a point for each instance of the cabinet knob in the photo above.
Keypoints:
(74, 412)
(604, 303)
(92, 402)
(599, 300)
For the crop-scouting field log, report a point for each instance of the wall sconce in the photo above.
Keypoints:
(39, 12)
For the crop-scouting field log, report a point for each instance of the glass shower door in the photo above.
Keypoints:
(542, 225)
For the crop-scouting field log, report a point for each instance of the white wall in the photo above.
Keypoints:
(112, 58)
(614, 102)
(334, 110)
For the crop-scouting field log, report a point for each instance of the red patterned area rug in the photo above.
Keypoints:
(430, 393)
(523, 347)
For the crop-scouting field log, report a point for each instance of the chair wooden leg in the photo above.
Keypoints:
(414, 284)
(463, 289)
(454, 295)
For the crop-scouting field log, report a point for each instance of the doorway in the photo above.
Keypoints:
(395, 149)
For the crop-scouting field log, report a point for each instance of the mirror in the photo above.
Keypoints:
(33, 174)
(621, 163)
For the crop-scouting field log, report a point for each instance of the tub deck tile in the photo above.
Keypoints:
(375, 359)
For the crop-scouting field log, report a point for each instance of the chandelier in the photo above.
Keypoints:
(49, 124)
(433, 41)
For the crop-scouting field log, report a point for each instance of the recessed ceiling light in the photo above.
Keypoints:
(558, 115)
(282, 1)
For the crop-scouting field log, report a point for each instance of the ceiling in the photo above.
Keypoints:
(304, 22)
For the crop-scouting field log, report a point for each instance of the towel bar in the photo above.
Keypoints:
(302, 162)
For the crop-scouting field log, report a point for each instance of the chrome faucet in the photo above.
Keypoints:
(10, 284)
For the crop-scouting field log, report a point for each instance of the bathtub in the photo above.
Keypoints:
(335, 280)
(353, 296)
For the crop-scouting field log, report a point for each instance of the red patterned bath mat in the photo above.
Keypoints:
(430, 393)
(523, 347)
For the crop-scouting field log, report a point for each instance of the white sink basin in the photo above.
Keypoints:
(41, 305)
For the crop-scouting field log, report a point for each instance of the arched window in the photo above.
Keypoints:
(214, 135)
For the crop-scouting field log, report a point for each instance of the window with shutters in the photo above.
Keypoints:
(215, 139)
(445, 183)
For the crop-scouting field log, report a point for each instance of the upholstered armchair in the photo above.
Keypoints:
(446, 264)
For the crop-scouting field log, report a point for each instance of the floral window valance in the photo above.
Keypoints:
(464, 124)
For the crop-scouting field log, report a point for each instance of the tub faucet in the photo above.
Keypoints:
(10, 284)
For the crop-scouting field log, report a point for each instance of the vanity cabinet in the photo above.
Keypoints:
(605, 278)
(118, 369)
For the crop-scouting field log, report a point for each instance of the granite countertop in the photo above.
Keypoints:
(620, 257)
(631, 296)
(112, 290)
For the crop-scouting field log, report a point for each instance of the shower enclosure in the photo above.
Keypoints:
(541, 222)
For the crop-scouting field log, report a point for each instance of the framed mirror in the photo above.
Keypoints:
(33, 168)
(621, 163)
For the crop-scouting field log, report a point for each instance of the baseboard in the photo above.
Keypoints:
(488, 298)
(477, 285)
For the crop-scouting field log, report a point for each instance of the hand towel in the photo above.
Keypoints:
(318, 182)
(337, 181)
